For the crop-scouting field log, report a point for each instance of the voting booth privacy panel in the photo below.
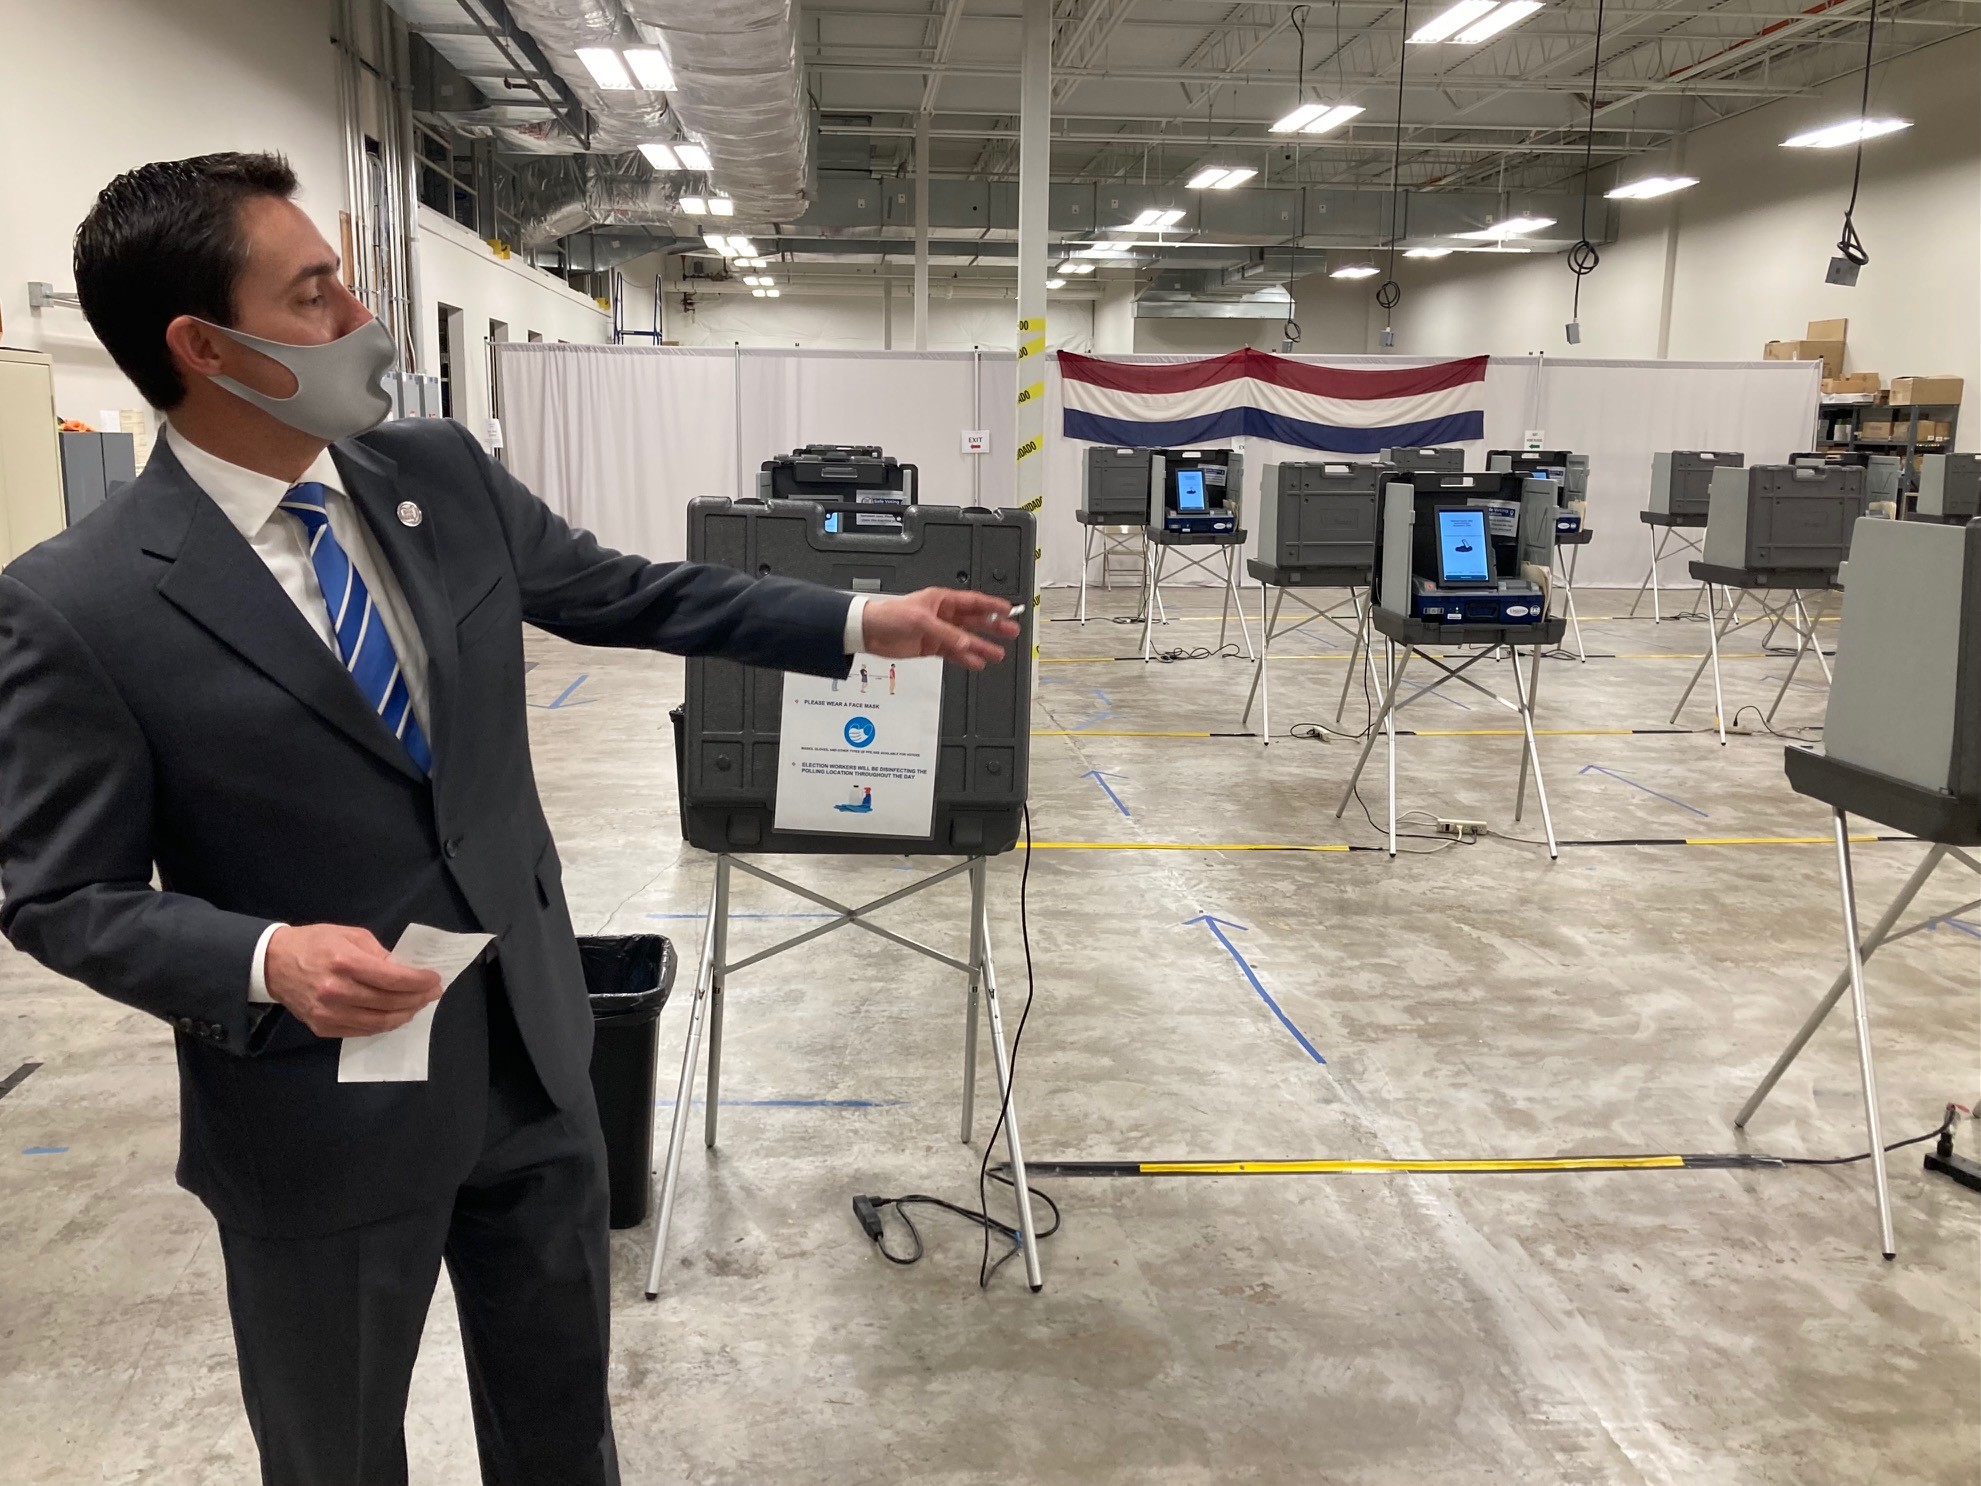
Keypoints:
(620, 438)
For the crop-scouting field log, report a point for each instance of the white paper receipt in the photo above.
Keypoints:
(399, 1056)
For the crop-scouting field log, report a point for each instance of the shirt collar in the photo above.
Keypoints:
(246, 497)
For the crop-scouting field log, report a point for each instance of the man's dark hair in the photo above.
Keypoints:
(164, 240)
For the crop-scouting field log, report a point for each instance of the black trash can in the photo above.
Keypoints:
(628, 978)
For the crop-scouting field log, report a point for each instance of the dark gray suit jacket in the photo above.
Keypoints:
(163, 706)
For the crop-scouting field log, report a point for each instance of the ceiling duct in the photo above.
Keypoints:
(739, 85)
(621, 121)
(596, 191)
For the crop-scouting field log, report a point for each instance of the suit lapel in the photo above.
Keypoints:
(413, 554)
(218, 581)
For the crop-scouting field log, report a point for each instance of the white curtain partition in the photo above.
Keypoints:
(620, 438)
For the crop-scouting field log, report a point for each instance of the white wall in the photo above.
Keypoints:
(459, 269)
(1752, 241)
(90, 88)
(844, 321)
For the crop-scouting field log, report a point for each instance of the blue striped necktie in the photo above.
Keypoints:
(361, 636)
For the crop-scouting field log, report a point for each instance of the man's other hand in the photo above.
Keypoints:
(340, 982)
(950, 622)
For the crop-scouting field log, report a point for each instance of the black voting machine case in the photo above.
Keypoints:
(728, 743)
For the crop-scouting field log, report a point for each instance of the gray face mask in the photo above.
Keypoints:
(337, 383)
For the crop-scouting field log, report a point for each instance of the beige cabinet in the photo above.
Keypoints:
(30, 453)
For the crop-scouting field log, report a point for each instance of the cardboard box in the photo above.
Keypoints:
(1875, 430)
(1827, 330)
(1830, 353)
(1850, 386)
(1936, 389)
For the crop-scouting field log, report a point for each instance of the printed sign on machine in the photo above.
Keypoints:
(858, 756)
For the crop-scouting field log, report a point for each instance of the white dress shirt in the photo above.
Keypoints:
(250, 501)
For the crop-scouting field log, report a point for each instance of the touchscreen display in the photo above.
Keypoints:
(1189, 490)
(1462, 553)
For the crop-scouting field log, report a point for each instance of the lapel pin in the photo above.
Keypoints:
(410, 514)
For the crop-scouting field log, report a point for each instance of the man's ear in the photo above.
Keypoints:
(196, 350)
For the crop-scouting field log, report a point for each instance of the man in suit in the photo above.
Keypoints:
(283, 672)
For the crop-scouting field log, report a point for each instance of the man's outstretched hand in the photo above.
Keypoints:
(950, 622)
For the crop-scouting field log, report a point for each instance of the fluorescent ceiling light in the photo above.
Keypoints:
(694, 206)
(1220, 177)
(1447, 24)
(752, 280)
(772, 293)
(721, 206)
(651, 68)
(1427, 252)
(758, 294)
(1071, 267)
(1511, 227)
(720, 243)
(742, 245)
(1356, 271)
(1055, 283)
(606, 66)
(1650, 186)
(693, 157)
(1300, 118)
(1158, 217)
(1508, 15)
(1334, 118)
(660, 156)
(1848, 132)
(1108, 250)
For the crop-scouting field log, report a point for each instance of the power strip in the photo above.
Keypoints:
(1464, 830)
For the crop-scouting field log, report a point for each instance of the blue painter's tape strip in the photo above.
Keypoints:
(43, 1150)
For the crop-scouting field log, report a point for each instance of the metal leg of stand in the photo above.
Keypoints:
(979, 917)
(1233, 599)
(685, 1092)
(720, 925)
(1867, 1073)
(1527, 695)
(1152, 566)
(1369, 741)
(1354, 651)
(1568, 587)
(1261, 680)
(1816, 640)
(1022, 1193)
(1389, 731)
(1712, 658)
(1801, 650)
(1224, 609)
(1533, 692)
(1841, 984)
(1087, 557)
(1650, 578)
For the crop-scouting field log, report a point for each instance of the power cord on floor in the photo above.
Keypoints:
(1945, 1127)
(1199, 652)
(1793, 735)
(870, 1211)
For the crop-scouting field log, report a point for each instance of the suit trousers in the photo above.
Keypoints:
(326, 1328)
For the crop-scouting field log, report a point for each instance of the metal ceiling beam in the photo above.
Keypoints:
(945, 37)
(1446, 83)
(891, 131)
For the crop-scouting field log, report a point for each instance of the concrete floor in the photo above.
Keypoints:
(1674, 1327)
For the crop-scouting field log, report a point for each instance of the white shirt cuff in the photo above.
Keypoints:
(258, 968)
(856, 626)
